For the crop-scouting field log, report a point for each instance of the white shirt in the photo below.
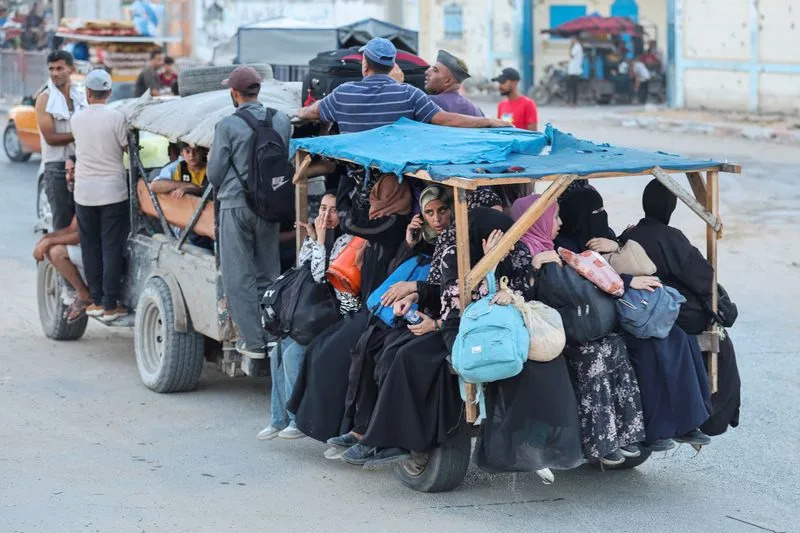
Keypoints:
(100, 133)
(575, 65)
(641, 71)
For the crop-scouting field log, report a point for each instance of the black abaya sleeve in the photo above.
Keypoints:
(429, 297)
(388, 231)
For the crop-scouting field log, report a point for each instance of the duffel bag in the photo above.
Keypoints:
(587, 312)
(413, 269)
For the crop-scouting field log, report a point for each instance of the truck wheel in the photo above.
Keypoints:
(205, 79)
(631, 462)
(49, 287)
(12, 146)
(441, 470)
(168, 361)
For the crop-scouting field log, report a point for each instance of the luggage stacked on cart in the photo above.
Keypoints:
(330, 69)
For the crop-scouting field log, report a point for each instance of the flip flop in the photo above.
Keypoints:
(76, 310)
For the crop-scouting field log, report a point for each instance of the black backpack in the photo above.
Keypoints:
(268, 185)
(587, 312)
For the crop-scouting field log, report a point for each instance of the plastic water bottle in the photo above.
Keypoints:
(412, 317)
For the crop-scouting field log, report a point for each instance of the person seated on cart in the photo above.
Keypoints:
(379, 100)
(185, 175)
(443, 82)
(62, 248)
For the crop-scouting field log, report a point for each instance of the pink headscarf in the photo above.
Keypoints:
(538, 238)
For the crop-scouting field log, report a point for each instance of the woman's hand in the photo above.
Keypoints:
(426, 326)
(414, 231)
(320, 229)
(647, 283)
(602, 245)
(310, 231)
(397, 291)
(550, 256)
(491, 241)
(403, 305)
(503, 297)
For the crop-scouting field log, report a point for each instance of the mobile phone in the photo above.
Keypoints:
(416, 233)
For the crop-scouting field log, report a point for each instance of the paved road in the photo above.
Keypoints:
(85, 447)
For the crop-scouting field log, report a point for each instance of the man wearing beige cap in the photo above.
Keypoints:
(248, 245)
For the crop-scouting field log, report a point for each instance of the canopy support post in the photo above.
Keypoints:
(300, 179)
(506, 244)
(712, 205)
(464, 291)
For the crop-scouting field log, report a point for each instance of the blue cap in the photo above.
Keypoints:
(380, 50)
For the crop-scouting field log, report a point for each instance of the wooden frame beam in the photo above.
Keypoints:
(712, 205)
(302, 160)
(506, 244)
(683, 195)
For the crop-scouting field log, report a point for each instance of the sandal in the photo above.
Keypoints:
(76, 310)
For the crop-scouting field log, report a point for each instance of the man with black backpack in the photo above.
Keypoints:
(252, 177)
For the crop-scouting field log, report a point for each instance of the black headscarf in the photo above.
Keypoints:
(482, 222)
(658, 202)
(583, 217)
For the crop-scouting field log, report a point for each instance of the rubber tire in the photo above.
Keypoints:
(447, 466)
(45, 223)
(205, 79)
(49, 284)
(20, 156)
(631, 462)
(182, 359)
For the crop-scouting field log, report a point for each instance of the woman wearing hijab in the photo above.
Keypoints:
(422, 233)
(670, 373)
(609, 407)
(380, 215)
(681, 266)
(583, 219)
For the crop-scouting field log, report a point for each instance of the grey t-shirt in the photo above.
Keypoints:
(233, 140)
(148, 79)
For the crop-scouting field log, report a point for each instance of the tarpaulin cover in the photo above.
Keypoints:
(407, 146)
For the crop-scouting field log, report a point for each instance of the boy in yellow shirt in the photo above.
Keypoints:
(187, 175)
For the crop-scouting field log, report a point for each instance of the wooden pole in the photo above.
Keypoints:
(516, 231)
(712, 205)
(464, 291)
(301, 162)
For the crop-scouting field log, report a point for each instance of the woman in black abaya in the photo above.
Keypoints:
(681, 266)
(531, 418)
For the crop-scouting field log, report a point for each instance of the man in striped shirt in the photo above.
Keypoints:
(378, 99)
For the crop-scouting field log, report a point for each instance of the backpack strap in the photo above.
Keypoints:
(184, 171)
(491, 282)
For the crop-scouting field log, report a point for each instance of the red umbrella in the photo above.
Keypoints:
(596, 24)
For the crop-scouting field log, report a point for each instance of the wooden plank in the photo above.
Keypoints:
(712, 204)
(711, 219)
(730, 168)
(300, 179)
(698, 186)
(301, 162)
(490, 260)
(464, 292)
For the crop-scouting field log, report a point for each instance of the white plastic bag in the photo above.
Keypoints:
(545, 327)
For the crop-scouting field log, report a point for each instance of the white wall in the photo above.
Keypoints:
(93, 9)
(216, 21)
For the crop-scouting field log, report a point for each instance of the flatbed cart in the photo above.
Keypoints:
(568, 159)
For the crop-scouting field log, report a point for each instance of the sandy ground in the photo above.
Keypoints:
(85, 447)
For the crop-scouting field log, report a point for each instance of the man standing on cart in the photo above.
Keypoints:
(443, 82)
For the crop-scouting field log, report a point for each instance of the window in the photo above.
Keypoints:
(559, 14)
(453, 22)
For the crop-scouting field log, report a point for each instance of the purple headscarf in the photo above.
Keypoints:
(538, 238)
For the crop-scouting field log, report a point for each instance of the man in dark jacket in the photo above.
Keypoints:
(248, 245)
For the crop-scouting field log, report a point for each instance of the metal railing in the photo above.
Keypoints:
(22, 72)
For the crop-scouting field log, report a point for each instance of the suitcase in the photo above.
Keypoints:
(330, 69)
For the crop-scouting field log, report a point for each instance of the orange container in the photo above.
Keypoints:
(344, 272)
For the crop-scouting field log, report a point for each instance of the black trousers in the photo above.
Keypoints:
(62, 206)
(644, 87)
(103, 232)
(572, 88)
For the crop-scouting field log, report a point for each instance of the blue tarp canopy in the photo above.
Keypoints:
(408, 146)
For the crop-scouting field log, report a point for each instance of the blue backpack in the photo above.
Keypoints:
(413, 269)
(647, 315)
(492, 341)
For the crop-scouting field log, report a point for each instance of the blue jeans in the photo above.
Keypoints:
(284, 364)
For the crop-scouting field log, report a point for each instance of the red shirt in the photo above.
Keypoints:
(519, 112)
